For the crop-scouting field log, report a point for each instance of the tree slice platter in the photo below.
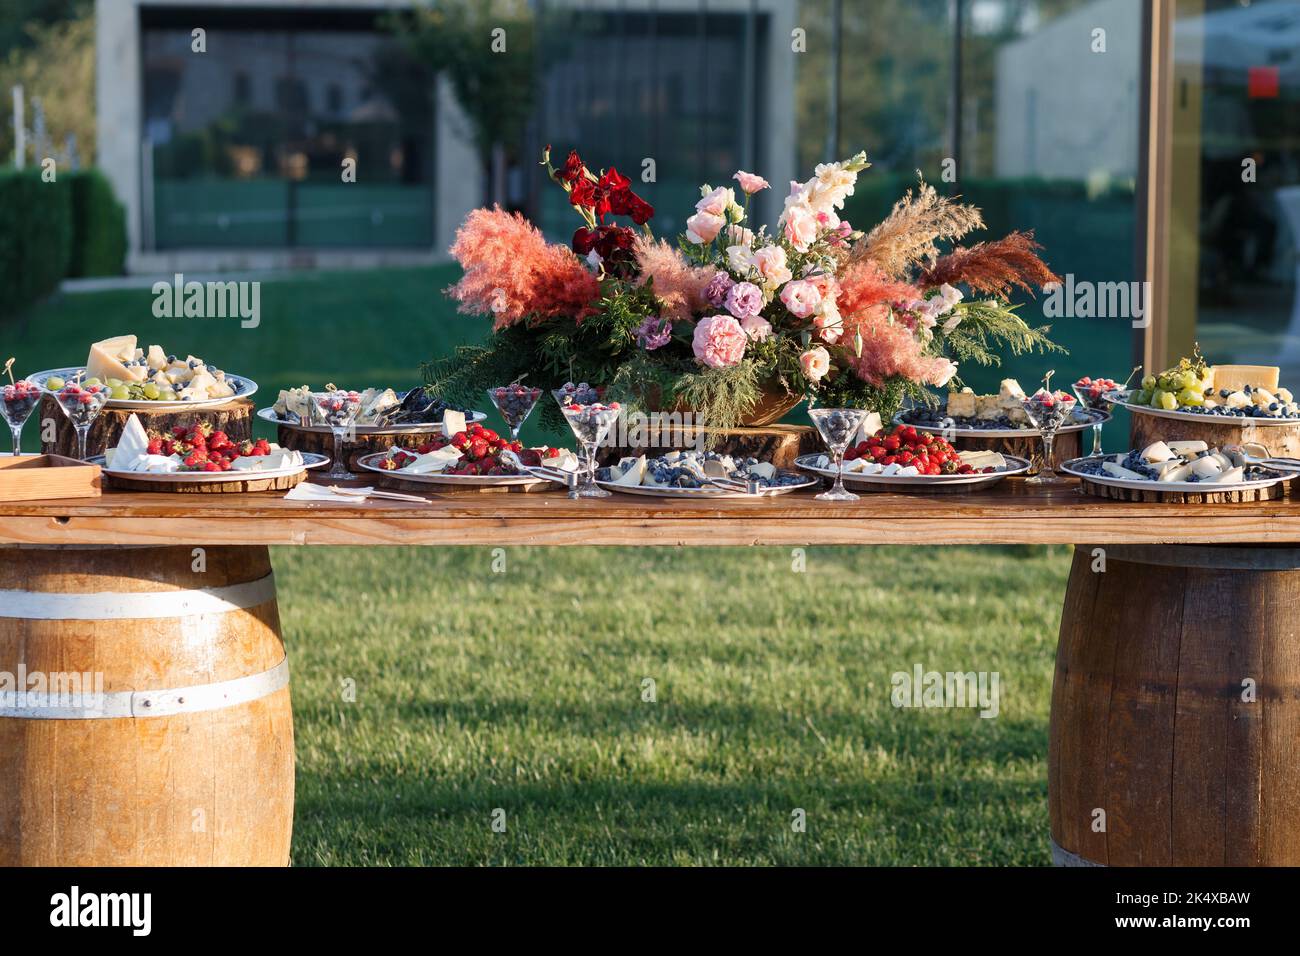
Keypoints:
(427, 488)
(779, 444)
(236, 487)
(1115, 493)
(322, 443)
(1282, 441)
(235, 418)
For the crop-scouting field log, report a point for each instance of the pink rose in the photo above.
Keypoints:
(756, 327)
(703, 227)
(739, 236)
(717, 202)
(801, 227)
(801, 298)
(719, 341)
(815, 363)
(942, 372)
(771, 265)
(750, 183)
(828, 322)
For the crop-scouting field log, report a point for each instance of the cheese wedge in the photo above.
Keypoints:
(1229, 477)
(433, 461)
(156, 358)
(962, 404)
(632, 475)
(1177, 473)
(764, 469)
(870, 425)
(107, 357)
(1237, 377)
(1118, 471)
(452, 422)
(1187, 447)
(980, 459)
(1156, 452)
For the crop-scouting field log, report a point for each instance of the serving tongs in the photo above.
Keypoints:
(750, 486)
(1246, 450)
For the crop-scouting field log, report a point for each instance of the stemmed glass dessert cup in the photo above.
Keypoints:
(590, 423)
(1090, 393)
(82, 405)
(17, 402)
(837, 426)
(514, 402)
(1048, 412)
(337, 408)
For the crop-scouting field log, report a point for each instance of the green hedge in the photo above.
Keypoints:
(48, 231)
(98, 226)
(35, 237)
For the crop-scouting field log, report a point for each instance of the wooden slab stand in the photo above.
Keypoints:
(322, 443)
(1282, 441)
(234, 487)
(425, 488)
(235, 418)
(1030, 447)
(1271, 493)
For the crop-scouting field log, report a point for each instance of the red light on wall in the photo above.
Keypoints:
(1263, 82)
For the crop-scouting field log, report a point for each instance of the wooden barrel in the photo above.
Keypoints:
(1175, 728)
(156, 727)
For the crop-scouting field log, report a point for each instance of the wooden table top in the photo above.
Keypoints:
(1009, 513)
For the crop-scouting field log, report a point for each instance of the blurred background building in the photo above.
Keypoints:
(1038, 111)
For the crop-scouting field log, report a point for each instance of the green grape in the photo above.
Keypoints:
(1191, 396)
(92, 381)
(152, 391)
(54, 383)
(1157, 397)
(1148, 383)
(1143, 397)
(120, 392)
(1168, 401)
(114, 382)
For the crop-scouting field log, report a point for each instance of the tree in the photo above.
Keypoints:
(57, 66)
(486, 49)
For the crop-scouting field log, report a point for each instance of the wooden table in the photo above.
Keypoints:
(1154, 756)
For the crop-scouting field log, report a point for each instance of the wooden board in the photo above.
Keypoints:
(322, 443)
(34, 477)
(235, 418)
(234, 487)
(425, 488)
(1271, 493)
(1009, 513)
(779, 444)
(1282, 441)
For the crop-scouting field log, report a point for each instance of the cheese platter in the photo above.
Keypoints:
(149, 379)
(200, 459)
(1183, 471)
(699, 474)
(908, 458)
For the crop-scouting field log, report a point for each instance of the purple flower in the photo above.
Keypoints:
(716, 290)
(654, 333)
(744, 300)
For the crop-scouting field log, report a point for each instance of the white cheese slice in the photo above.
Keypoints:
(1237, 377)
(870, 425)
(452, 422)
(1206, 467)
(1178, 473)
(1230, 477)
(631, 476)
(564, 461)
(763, 469)
(1118, 471)
(1156, 452)
(433, 461)
(1187, 447)
(716, 468)
(980, 459)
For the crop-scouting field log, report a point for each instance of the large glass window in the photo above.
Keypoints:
(1236, 197)
(246, 141)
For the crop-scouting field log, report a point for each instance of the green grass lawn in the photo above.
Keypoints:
(523, 690)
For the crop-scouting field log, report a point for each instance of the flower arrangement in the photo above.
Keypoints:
(735, 323)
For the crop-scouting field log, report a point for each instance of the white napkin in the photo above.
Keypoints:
(279, 458)
(306, 491)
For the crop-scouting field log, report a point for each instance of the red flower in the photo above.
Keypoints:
(574, 168)
(627, 203)
(614, 181)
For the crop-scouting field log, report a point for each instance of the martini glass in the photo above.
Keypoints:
(590, 423)
(1048, 412)
(1090, 392)
(837, 426)
(82, 405)
(515, 403)
(17, 402)
(338, 409)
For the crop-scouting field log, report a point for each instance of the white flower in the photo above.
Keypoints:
(740, 259)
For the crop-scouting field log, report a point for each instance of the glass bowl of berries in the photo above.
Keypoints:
(18, 400)
(81, 404)
(590, 420)
(514, 402)
(1048, 411)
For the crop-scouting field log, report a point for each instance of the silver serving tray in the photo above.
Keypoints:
(371, 463)
(1095, 417)
(244, 387)
(310, 460)
(1019, 467)
(708, 491)
(268, 415)
(1119, 398)
(1071, 467)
